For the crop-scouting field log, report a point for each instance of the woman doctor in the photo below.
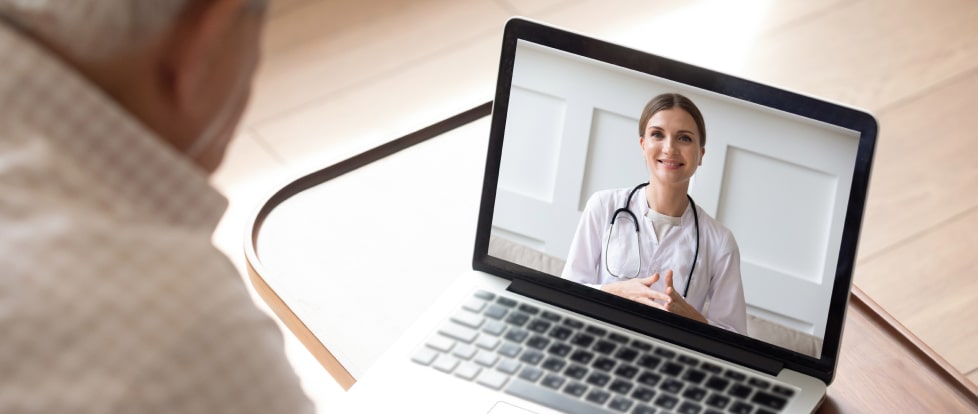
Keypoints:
(651, 243)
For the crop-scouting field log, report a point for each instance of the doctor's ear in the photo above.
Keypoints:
(702, 153)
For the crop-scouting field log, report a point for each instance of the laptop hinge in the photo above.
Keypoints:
(645, 326)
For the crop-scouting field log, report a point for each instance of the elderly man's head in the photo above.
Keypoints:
(182, 67)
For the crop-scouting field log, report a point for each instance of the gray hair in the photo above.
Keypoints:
(91, 30)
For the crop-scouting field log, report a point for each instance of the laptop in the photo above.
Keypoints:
(786, 174)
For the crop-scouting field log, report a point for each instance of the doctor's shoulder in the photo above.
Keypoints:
(609, 199)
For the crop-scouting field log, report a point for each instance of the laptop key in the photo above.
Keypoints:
(531, 357)
(532, 310)
(538, 326)
(487, 342)
(694, 393)
(495, 312)
(582, 357)
(783, 391)
(560, 333)
(617, 337)
(626, 354)
(626, 371)
(663, 352)
(467, 370)
(643, 409)
(649, 361)
(671, 386)
(494, 328)
(440, 343)
(424, 356)
(491, 379)
(560, 401)
(550, 316)
(717, 384)
(598, 379)
(759, 383)
(739, 391)
(445, 363)
(553, 364)
(469, 319)
(620, 386)
(694, 376)
(734, 375)
(717, 401)
(739, 407)
(649, 378)
(576, 371)
(620, 404)
(604, 364)
(484, 295)
(510, 349)
(508, 366)
(667, 402)
(507, 302)
(459, 332)
(531, 374)
(671, 369)
(769, 400)
(464, 351)
(475, 305)
(604, 347)
(594, 330)
(516, 335)
(517, 319)
(643, 394)
(553, 381)
(485, 358)
(689, 408)
(598, 397)
(559, 349)
(711, 368)
(537, 342)
(576, 389)
(688, 360)
(573, 323)
(582, 340)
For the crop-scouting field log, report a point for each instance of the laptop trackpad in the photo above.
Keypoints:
(506, 408)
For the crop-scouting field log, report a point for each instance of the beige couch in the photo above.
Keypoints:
(757, 327)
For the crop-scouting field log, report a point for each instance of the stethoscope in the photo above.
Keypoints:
(696, 221)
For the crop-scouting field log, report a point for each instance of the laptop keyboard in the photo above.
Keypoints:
(570, 365)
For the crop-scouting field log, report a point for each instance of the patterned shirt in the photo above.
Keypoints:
(112, 296)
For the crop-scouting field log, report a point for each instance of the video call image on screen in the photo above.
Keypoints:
(779, 182)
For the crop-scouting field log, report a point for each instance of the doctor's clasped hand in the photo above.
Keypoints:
(641, 291)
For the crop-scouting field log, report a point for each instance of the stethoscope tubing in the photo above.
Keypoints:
(626, 210)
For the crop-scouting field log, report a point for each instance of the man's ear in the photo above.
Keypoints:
(190, 46)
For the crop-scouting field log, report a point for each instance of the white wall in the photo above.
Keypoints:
(779, 182)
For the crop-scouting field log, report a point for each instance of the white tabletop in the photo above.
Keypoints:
(359, 257)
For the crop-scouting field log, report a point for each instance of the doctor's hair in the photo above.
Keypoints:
(97, 30)
(669, 101)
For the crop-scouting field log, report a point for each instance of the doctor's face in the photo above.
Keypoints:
(671, 145)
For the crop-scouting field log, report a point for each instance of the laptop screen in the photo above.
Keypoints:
(777, 183)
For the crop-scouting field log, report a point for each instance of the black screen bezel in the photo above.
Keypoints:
(705, 338)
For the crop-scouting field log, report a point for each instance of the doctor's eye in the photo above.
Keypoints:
(685, 138)
(656, 134)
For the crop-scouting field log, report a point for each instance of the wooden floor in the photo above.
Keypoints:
(342, 76)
